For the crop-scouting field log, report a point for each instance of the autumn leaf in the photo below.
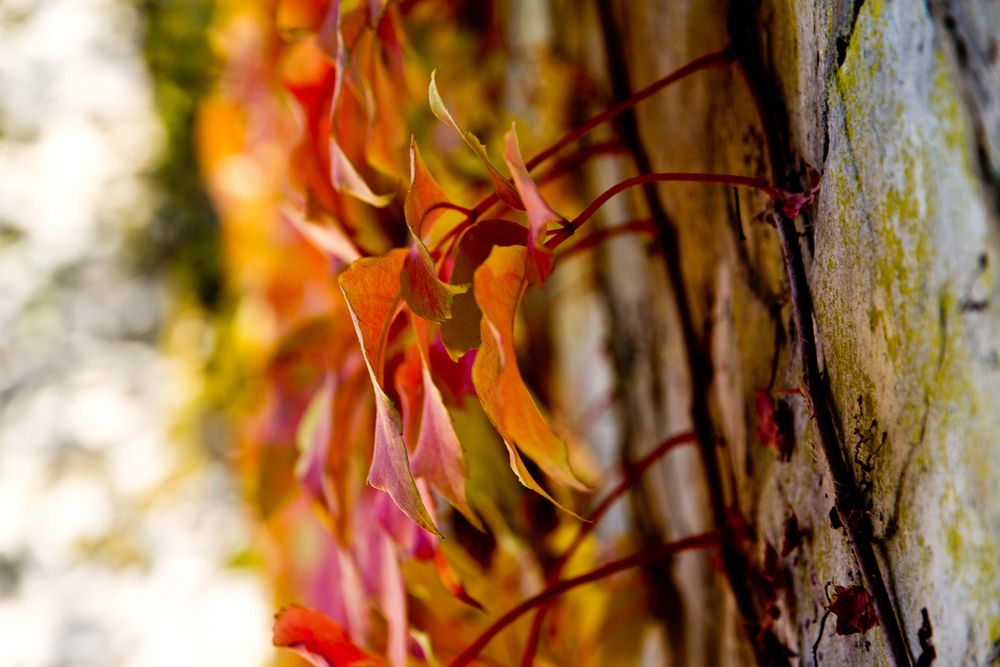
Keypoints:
(499, 285)
(343, 175)
(539, 264)
(313, 440)
(506, 191)
(439, 457)
(449, 578)
(346, 178)
(426, 294)
(773, 424)
(424, 194)
(371, 288)
(854, 608)
(296, 15)
(320, 640)
(460, 333)
(329, 238)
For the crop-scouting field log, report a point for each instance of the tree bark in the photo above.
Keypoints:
(897, 104)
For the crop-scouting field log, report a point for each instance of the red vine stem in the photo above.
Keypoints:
(707, 540)
(632, 473)
(707, 61)
(599, 236)
(578, 157)
(669, 177)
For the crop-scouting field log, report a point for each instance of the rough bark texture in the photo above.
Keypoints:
(897, 103)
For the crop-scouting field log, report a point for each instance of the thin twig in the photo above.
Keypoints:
(633, 473)
(705, 540)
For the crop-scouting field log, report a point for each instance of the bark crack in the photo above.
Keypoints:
(849, 498)
(978, 88)
(844, 40)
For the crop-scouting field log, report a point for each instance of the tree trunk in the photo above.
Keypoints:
(897, 104)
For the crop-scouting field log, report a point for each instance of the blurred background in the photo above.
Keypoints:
(122, 535)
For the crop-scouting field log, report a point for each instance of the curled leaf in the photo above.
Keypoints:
(426, 294)
(371, 288)
(328, 238)
(505, 190)
(460, 333)
(346, 179)
(320, 640)
(343, 175)
(498, 286)
(423, 194)
(539, 213)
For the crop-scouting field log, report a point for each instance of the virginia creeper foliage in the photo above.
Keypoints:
(396, 455)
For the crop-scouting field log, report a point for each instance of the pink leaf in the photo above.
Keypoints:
(539, 213)
(371, 288)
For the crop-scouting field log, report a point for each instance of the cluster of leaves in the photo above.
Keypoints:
(377, 341)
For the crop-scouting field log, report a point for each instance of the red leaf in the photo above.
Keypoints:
(854, 609)
(371, 288)
(343, 175)
(770, 421)
(793, 202)
(539, 213)
(313, 440)
(321, 640)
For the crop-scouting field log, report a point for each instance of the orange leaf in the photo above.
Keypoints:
(426, 294)
(328, 238)
(450, 579)
(423, 194)
(294, 15)
(323, 642)
(371, 288)
(343, 174)
(539, 213)
(460, 333)
(506, 191)
(499, 285)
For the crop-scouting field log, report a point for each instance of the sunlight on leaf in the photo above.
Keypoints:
(423, 194)
(460, 333)
(499, 284)
(346, 178)
(371, 288)
(319, 640)
(504, 189)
